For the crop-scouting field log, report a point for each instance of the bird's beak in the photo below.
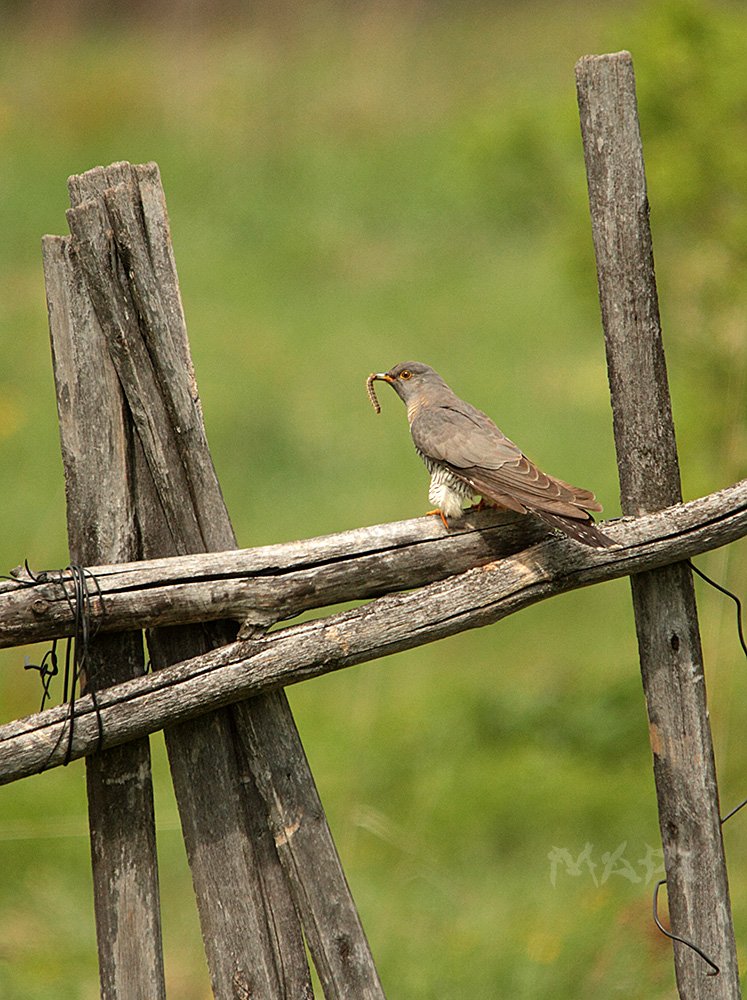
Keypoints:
(382, 377)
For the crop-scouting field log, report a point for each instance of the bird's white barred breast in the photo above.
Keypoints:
(447, 492)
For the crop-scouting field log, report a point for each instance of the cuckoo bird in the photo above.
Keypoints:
(468, 456)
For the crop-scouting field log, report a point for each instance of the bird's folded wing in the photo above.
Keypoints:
(471, 445)
(463, 437)
(520, 485)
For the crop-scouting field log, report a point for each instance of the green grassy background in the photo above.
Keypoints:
(350, 187)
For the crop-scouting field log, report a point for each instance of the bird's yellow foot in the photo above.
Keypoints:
(430, 513)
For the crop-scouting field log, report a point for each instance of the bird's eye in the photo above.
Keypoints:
(405, 374)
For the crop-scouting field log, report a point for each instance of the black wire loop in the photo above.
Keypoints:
(730, 595)
(48, 668)
(675, 937)
(740, 634)
(79, 585)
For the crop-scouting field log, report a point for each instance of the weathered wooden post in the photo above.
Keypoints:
(96, 442)
(663, 599)
(251, 934)
(261, 853)
(181, 589)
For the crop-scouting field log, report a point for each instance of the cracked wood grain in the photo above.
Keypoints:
(350, 565)
(663, 598)
(96, 445)
(266, 584)
(121, 231)
(480, 596)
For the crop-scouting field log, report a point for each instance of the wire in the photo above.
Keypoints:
(675, 937)
(730, 595)
(77, 646)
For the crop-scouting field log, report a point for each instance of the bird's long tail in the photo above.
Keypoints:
(583, 531)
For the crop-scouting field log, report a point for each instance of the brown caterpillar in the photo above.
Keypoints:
(372, 392)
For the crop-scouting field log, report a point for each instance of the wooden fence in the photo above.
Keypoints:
(147, 521)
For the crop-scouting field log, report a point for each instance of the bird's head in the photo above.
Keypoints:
(410, 380)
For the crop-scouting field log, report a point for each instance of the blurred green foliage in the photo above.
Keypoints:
(350, 187)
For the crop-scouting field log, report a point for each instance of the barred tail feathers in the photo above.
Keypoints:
(583, 531)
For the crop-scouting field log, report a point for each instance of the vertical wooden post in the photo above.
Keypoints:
(134, 288)
(96, 449)
(663, 600)
(252, 938)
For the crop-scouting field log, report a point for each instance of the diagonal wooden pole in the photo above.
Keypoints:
(663, 599)
(256, 584)
(133, 284)
(252, 938)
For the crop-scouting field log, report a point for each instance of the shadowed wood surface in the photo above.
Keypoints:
(663, 599)
(266, 584)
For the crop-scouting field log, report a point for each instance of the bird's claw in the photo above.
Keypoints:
(440, 513)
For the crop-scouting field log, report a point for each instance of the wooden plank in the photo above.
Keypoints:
(279, 751)
(359, 564)
(333, 929)
(663, 599)
(154, 290)
(117, 312)
(253, 943)
(168, 351)
(473, 599)
(270, 583)
(96, 446)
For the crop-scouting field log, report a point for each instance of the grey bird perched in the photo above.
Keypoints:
(468, 456)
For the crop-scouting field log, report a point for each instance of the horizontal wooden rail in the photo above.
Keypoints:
(479, 596)
(263, 585)
(276, 582)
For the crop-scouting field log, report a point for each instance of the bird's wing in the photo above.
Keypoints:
(475, 450)
(464, 437)
(520, 485)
